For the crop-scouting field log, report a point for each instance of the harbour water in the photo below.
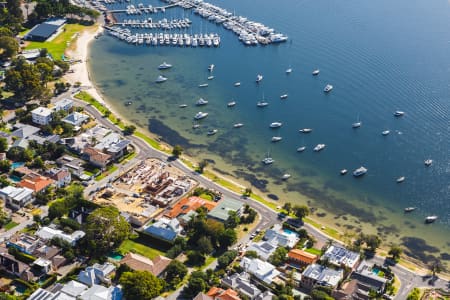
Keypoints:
(380, 56)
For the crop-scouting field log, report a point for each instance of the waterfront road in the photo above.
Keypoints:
(408, 278)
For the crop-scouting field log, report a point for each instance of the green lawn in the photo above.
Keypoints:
(108, 171)
(139, 248)
(10, 225)
(149, 141)
(59, 44)
(313, 251)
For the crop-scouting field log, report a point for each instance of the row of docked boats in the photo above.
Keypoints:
(166, 39)
(248, 31)
(161, 24)
(142, 9)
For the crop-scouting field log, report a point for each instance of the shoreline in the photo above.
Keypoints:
(81, 74)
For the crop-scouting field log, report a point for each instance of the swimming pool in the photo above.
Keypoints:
(15, 165)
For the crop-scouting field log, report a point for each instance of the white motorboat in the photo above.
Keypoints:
(284, 96)
(164, 66)
(399, 113)
(301, 149)
(428, 162)
(231, 103)
(201, 101)
(343, 171)
(161, 79)
(196, 126)
(319, 147)
(285, 176)
(316, 72)
(305, 130)
(238, 125)
(386, 132)
(202, 85)
(276, 139)
(200, 115)
(236, 84)
(182, 105)
(409, 209)
(430, 219)
(210, 77)
(401, 179)
(360, 171)
(262, 103)
(211, 67)
(328, 88)
(289, 71)
(357, 124)
(212, 132)
(275, 125)
(259, 78)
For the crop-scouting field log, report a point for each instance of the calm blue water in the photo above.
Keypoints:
(380, 56)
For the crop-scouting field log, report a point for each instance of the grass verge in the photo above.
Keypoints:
(10, 225)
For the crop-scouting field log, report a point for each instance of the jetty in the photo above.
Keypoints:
(164, 38)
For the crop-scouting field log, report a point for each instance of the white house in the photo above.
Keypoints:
(16, 197)
(41, 115)
(64, 104)
(76, 119)
(263, 249)
(262, 270)
(47, 233)
(340, 256)
(281, 237)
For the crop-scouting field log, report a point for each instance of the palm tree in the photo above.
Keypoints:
(435, 267)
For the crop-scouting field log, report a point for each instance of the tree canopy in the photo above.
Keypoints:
(106, 229)
(141, 285)
(175, 273)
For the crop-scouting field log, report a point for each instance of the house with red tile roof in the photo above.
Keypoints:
(220, 294)
(186, 205)
(141, 263)
(96, 157)
(35, 182)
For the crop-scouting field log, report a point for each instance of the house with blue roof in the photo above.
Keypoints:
(164, 229)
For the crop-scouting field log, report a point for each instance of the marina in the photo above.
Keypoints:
(250, 33)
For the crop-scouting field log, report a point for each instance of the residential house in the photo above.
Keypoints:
(281, 237)
(202, 296)
(114, 145)
(96, 157)
(23, 131)
(41, 267)
(340, 256)
(186, 205)
(241, 283)
(52, 254)
(35, 182)
(264, 249)
(41, 115)
(62, 177)
(298, 258)
(316, 274)
(16, 197)
(368, 276)
(263, 271)
(97, 274)
(141, 263)
(73, 164)
(13, 266)
(221, 211)
(220, 294)
(164, 229)
(48, 233)
(24, 242)
(74, 290)
(76, 119)
(64, 104)
(41, 140)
